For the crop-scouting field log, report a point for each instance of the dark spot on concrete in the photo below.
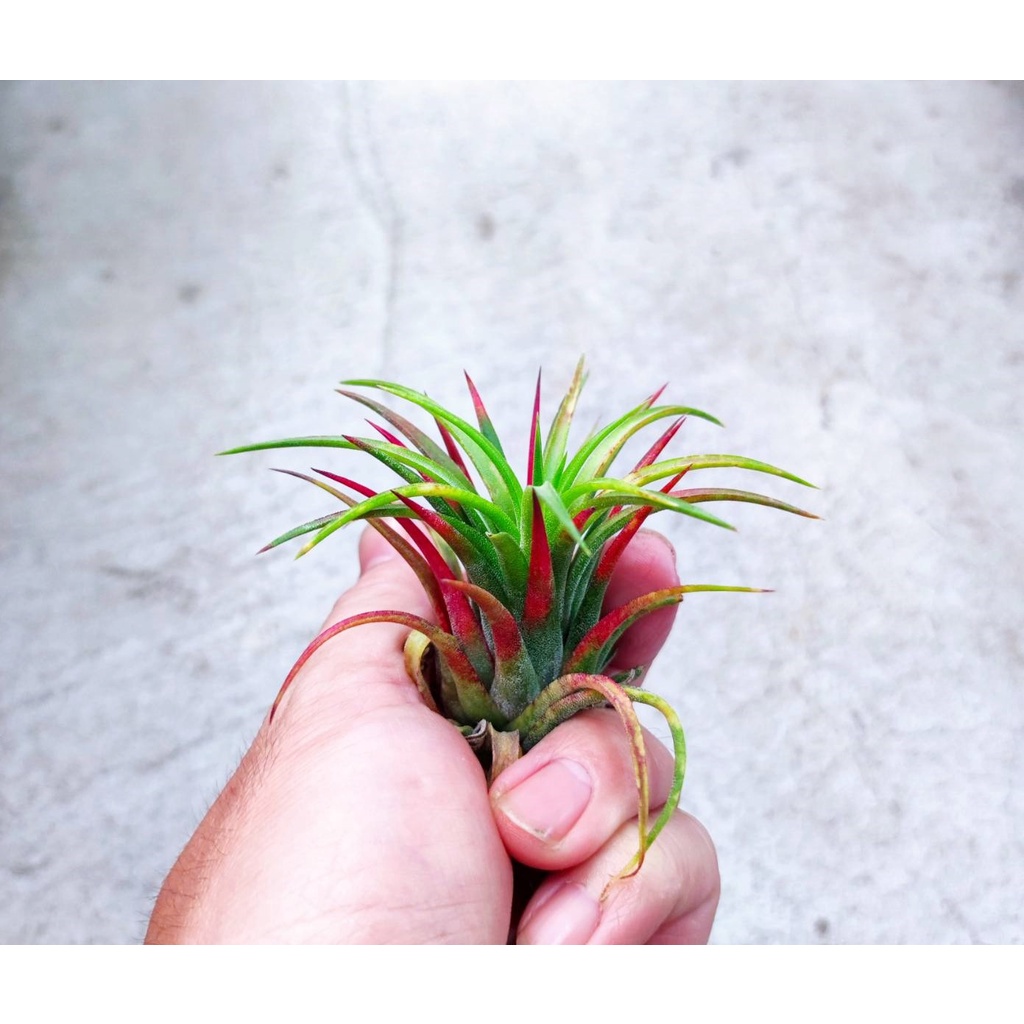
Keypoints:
(151, 585)
(1013, 89)
(188, 294)
(107, 274)
(280, 171)
(9, 225)
(27, 869)
(822, 927)
(825, 405)
(1010, 282)
(56, 125)
(737, 156)
(1015, 191)
(485, 226)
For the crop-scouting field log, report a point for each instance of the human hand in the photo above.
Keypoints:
(362, 816)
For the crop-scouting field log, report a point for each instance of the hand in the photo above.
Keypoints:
(361, 816)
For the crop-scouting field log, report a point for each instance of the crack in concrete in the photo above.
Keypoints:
(376, 194)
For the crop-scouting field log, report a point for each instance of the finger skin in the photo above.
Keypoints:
(547, 819)
(358, 815)
(672, 899)
(361, 670)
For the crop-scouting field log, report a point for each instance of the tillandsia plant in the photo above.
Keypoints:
(516, 572)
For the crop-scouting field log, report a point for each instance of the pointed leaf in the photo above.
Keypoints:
(659, 470)
(659, 446)
(618, 492)
(602, 446)
(535, 461)
(488, 458)
(605, 453)
(424, 566)
(594, 651)
(453, 449)
(694, 495)
(554, 449)
(299, 531)
(418, 438)
(318, 441)
(486, 426)
(613, 550)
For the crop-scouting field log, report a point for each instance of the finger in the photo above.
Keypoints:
(672, 899)
(648, 563)
(564, 799)
(369, 655)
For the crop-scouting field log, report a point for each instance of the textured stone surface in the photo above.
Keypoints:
(836, 271)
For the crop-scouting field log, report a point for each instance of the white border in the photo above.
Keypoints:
(385, 39)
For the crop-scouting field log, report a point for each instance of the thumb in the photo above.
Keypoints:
(362, 668)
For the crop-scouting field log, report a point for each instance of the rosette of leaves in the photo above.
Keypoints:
(516, 570)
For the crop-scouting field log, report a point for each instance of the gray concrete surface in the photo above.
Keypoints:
(834, 270)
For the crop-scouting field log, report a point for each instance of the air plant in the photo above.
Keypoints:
(516, 572)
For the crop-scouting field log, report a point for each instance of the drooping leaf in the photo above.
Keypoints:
(618, 492)
(695, 495)
(473, 702)
(565, 697)
(595, 649)
(648, 474)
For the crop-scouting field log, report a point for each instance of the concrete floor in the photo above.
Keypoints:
(834, 270)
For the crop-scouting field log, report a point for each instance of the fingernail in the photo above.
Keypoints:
(569, 916)
(550, 801)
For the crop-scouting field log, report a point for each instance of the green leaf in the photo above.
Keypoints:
(497, 474)
(299, 531)
(554, 449)
(600, 461)
(552, 500)
(420, 490)
(320, 441)
(660, 470)
(600, 449)
(618, 492)
(426, 444)
(696, 494)
(514, 568)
